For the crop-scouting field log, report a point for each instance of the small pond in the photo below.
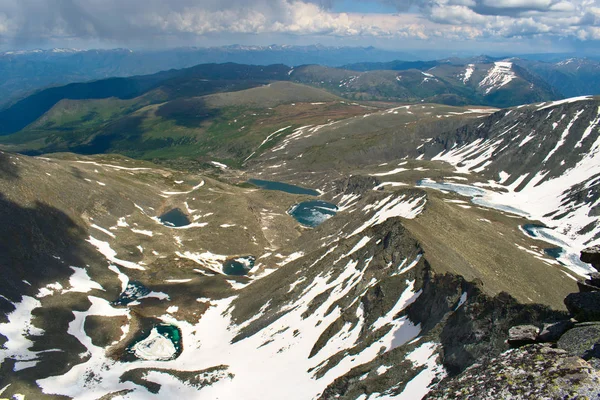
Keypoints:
(561, 251)
(161, 343)
(134, 291)
(313, 213)
(174, 218)
(555, 252)
(283, 187)
(239, 266)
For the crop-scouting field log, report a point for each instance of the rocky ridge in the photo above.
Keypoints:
(559, 361)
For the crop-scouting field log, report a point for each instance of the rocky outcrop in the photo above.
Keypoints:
(530, 372)
(591, 255)
(559, 361)
(585, 306)
(356, 184)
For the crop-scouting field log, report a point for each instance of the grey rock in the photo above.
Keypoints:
(530, 372)
(584, 306)
(523, 334)
(591, 255)
(582, 341)
(552, 332)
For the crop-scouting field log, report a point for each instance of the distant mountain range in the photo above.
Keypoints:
(23, 72)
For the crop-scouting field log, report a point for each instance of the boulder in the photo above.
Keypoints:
(582, 341)
(552, 332)
(584, 306)
(591, 255)
(522, 334)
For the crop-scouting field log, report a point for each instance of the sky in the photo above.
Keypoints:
(479, 26)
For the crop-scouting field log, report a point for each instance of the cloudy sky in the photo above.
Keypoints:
(476, 25)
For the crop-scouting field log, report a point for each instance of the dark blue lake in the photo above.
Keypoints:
(174, 218)
(239, 266)
(313, 213)
(283, 187)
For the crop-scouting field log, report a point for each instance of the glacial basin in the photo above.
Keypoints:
(313, 213)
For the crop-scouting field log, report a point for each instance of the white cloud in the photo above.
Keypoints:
(147, 20)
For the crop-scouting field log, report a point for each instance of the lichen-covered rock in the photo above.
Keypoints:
(591, 255)
(584, 306)
(522, 334)
(529, 372)
(583, 341)
(552, 332)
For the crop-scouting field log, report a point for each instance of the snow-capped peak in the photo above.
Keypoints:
(499, 75)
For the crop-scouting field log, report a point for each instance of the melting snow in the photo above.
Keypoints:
(392, 172)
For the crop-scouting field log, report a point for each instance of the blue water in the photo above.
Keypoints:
(313, 213)
(555, 252)
(239, 266)
(283, 187)
(174, 218)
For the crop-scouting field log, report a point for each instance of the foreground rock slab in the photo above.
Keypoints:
(522, 334)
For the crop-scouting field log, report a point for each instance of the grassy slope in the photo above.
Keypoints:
(228, 126)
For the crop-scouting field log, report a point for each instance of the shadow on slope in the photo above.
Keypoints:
(37, 246)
